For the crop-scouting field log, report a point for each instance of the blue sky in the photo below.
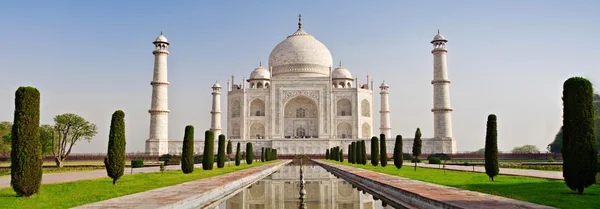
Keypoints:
(509, 58)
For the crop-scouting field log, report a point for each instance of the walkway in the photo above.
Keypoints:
(53, 178)
(554, 175)
(418, 194)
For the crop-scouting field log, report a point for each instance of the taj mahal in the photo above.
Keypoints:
(300, 103)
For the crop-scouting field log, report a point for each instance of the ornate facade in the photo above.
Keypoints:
(300, 104)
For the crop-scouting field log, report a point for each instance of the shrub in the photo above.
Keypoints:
(415, 160)
(209, 150)
(327, 154)
(165, 157)
(137, 163)
(407, 156)
(187, 155)
(173, 161)
(491, 148)
(579, 148)
(238, 156)
(197, 159)
(441, 156)
(374, 151)
(434, 160)
(383, 150)
(398, 155)
(221, 152)
(26, 153)
(249, 153)
(115, 159)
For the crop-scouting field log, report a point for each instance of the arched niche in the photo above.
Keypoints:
(366, 130)
(235, 109)
(365, 107)
(257, 107)
(344, 130)
(344, 107)
(257, 130)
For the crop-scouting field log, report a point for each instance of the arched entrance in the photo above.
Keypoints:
(301, 118)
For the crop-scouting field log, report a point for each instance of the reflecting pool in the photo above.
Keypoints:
(281, 190)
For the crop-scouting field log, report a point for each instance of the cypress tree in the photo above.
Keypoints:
(238, 156)
(364, 152)
(355, 151)
(491, 148)
(268, 154)
(350, 153)
(229, 151)
(579, 148)
(26, 153)
(335, 155)
(209, 150)
(249, 153)
(221, 152)
(187, 155)
(327, 154)
(115, 159)
(276, 156)
(398, 155)
(374, 151)
(383, 150)
(262, 154)
(416, 149)
(342, 155)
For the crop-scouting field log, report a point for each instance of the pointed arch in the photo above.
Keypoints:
(344, 130)
(235, 109)
(365, 107)
(257, 107)
(366, 130)
(344, 107)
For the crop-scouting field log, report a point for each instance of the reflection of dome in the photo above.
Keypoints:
(341, 73)
(300, 54)
(260, 73)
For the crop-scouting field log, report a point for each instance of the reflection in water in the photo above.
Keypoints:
(281, 190)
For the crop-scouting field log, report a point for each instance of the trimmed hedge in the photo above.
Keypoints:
(441, 156)
(115, 159)
(26, 153)
(187, 155)
(209, 150)
(434, 160)
(137, 163)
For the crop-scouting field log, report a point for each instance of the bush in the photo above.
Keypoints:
(187, 155)
(434, 160)
(491, 148)
(137, 163)
(197, 159)
(579, 148)
(209, 150)
(415, 160)
(407, 156)
(441, 156)
(249, 153)
(26, 153)
(165, 157)
(173, 161)
(115, 160)
(221, 152)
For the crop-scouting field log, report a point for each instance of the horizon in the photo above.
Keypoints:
(508, 59)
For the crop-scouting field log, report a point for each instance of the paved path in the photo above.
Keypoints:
(419, 194)
(53, 178)
(555, 175)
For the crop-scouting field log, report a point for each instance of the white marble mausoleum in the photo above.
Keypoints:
(300, 104)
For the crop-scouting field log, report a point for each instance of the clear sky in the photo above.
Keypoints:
(509, 58)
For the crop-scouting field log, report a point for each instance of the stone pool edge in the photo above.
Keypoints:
(180, 196)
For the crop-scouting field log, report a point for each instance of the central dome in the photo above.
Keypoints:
(300, 55)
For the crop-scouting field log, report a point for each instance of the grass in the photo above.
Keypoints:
(541, 191)
(5, 173)
(70, 194)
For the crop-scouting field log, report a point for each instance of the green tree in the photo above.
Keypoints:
(374, 151)
(70, 129)
(341, 155)
(364, 152)
(327, 154)
(26, 155)
(187, 155)
(115, 158)
(491, 148)
(221, 152)
(209, 150)
(416, 149)
(398, 155)
(5, 129)
(229, 151)
(46, 138)
(350, 153)
(525, 149)
(383, 150)
(479, 151)
(579, 141)
(238, 157)
(249, 153)
(262, 154)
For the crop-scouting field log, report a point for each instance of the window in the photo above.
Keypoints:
(300, 113)
(301, 132)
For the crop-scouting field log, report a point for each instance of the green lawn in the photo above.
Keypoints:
(541, 191)
(70, 194)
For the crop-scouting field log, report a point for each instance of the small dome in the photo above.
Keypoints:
(384, 85)
(216, 85)
(260, 73)
(341, 73)
(161, 39)
(439, 37)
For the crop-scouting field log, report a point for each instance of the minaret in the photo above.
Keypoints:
(384, 125)
(215, 122)
(158, 141)
(442, 112)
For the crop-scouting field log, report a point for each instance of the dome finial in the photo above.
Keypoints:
(438, 31)
(260, 63)
(340, 63)
(160, 32)
(299, 21)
